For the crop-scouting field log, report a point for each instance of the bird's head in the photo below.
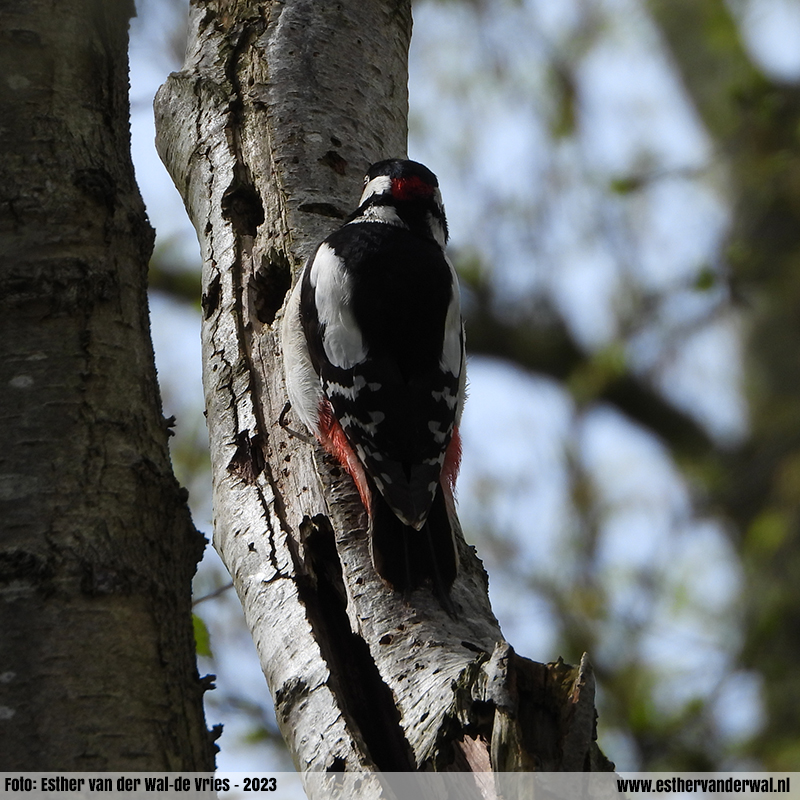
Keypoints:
(400, 192)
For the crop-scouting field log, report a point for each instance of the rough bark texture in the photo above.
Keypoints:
(267, 133)
(97, 657)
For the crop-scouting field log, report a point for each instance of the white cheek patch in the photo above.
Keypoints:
(341, 337)
(379, 185)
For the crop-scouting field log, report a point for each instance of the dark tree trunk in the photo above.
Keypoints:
(98, 549)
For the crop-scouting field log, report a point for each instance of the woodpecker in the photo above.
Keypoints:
(374, 362)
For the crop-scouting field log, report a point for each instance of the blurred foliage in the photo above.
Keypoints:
(169, 273)
(749, 484)
(202, 639)
(756, 121)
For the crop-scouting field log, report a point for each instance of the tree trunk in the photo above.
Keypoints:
(98, 549)
(267, 132)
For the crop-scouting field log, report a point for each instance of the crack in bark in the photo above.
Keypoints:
(210, 299)
(273, 558)
(248, 460)
(355, 679)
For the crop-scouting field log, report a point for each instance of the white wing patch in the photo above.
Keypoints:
(439, 435)
(341, 337)
(350, 392)
(370, 428)
(451, 360)
(445, 396)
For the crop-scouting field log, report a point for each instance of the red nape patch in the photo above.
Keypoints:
(334, 440)
(411, 188)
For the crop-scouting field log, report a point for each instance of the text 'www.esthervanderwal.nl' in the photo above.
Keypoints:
(705, 785)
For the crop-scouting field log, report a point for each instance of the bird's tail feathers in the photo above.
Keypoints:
(407, 558)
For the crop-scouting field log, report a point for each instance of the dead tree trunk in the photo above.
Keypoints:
(267, 132)
(97, 550)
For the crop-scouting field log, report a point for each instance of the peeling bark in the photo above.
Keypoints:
(267, 132)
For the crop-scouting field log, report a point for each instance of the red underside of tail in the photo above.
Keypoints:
(333, 439)
(452, 463)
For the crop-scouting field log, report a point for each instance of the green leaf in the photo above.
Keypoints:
(626, 185)
(202, 640)
(591, 377)
(705, 280)
(767, 532)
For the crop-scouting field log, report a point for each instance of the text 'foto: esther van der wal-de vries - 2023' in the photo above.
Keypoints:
(148, 783)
